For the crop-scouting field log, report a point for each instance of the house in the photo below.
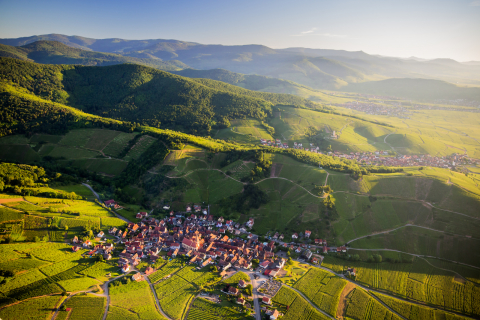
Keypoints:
(100, 234)
(315, 260)
(308, 233)
(75, 248)
(149, 271)
(166, 207)
(110, 203)
(87, 243)
(242, 284)
(250, 223)
(142, 215)
(342, 249)
(112, 230)
(271, 272)
(233, 291)
(107, 256)
(307, 254)
(318, 241)
(137, 277)
(75, 239)
(240, 301)
(325, 249)
(264, 264)
(266, 300)
(273, 314)
(125, 268)
(294, 236)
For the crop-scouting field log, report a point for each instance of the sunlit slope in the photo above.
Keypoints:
(410, 136)
(441, 132)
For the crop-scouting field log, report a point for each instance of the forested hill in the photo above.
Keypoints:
(54, 52)
(141, 94)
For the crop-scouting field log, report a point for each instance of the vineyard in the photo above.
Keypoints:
(34, 309)
(362, 306)
(86, 307)
(300, 309)
(7, 214)
(169, 286)
(174, 305)
(166, 270)
(419, 281)
(99, 271)
(202, 309)
(237, 277)
(77, 284)
(322, 288)
(134, 297)
(285, 296)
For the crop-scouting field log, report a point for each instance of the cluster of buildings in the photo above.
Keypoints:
(201, 238)
(395, 110)
(380, 158)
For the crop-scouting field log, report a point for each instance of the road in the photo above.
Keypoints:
(105, 292)
(98, 197)
(154, 294)
(255, 284)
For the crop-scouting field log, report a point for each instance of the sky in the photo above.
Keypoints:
(400, 28)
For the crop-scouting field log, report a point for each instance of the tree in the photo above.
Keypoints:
(66, 228)
(249, 289)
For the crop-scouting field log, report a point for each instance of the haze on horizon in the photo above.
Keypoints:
(426, 29)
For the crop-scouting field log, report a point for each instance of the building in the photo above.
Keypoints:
(233, 291)
(266, 300)
(242, 284)
(308, 233)
(137, 277)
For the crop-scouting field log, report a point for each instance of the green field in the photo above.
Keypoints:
(134, 298)
(418, 281)
(39, 308)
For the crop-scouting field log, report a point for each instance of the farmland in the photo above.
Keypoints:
(322, 288)
(418, 281)
(361, 306)
(86, 307)
(39, 308)
(133, 297)
(205, 309)
(167, 269)
(299, 308)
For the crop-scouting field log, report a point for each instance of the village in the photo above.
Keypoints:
(379, 157)
(204, 241)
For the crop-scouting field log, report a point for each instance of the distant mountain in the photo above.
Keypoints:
(54, 52)
(417, 89)
(143, 95)
(316, 68)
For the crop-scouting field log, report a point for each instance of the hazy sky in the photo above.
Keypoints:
(402, 28)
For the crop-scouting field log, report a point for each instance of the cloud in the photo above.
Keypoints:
(475, 3)
(309, 31)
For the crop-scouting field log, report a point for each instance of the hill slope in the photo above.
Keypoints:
(54, 52)
(144, 95)
(417, 89)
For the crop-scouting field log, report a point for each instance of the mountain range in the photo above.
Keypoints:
(316, 68)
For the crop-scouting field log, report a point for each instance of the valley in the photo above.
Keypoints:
(135, 187)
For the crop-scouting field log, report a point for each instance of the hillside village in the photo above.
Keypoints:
(204, 241)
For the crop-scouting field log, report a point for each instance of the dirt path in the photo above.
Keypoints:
(98, 197)
(157, 302)
(10, 200)
(342, 304)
